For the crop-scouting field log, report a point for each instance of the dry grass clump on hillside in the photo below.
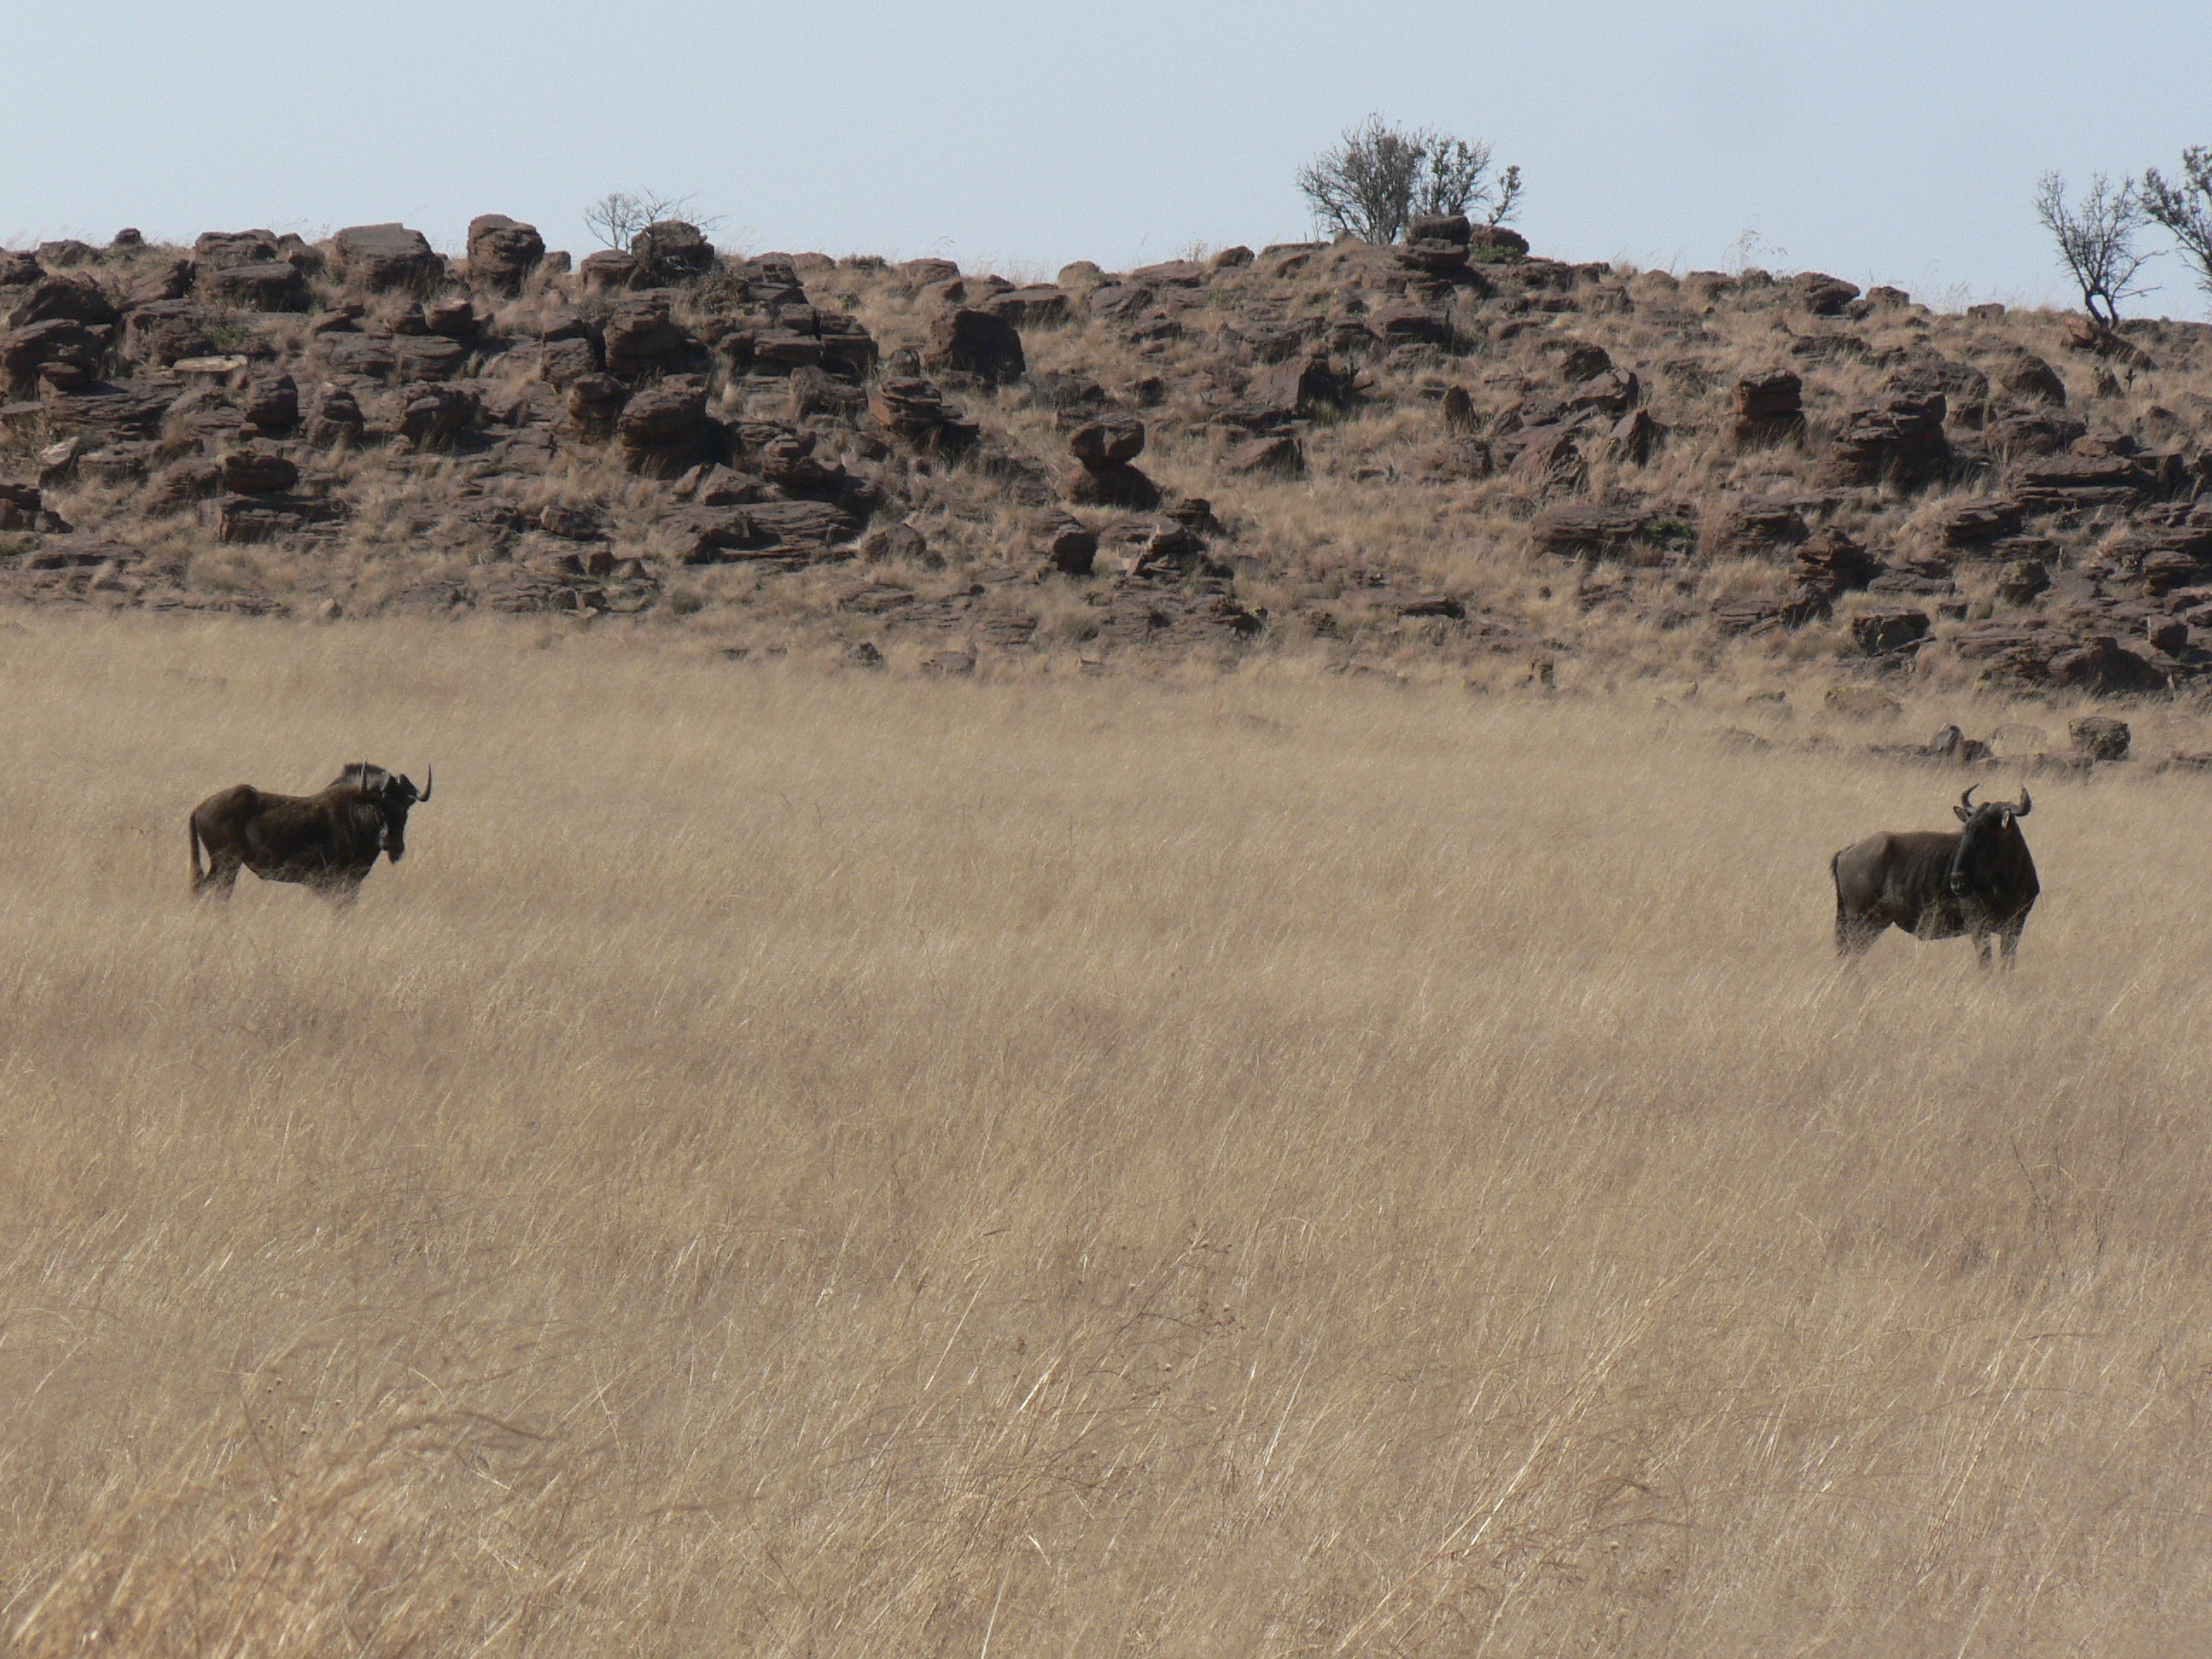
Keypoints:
(829, 1165)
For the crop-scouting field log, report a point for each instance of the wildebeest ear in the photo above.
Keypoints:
(1963, 814)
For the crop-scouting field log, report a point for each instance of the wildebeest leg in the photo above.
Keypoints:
(222, 875)
(2008, 943)
(341, 890)
(1981, 950)
(1854, 934)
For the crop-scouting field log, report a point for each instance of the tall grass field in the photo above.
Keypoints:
(814, 1164)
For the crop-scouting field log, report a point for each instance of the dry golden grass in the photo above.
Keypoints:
(826, 1165)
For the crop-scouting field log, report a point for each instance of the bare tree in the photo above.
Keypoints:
(2097, 239)
(2183, 209)
(617, 217)
(1378, 176)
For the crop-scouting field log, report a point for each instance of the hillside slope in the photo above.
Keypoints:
(1448, 452)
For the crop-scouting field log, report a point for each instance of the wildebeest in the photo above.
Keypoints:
(328, 841)
(1978, 879)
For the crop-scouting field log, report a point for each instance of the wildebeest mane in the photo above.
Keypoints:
(370, 779)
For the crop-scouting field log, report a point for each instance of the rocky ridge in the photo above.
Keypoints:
(1451, 449)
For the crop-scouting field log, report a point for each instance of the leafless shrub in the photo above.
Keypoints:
(619, 215)
(2097, 239)
(2182, 208)
(1378, 176)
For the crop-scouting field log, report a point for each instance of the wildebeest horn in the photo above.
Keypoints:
(429, 777)
(1967, 799)
(2025, 806)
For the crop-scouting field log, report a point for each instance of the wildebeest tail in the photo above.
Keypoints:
(191, 831)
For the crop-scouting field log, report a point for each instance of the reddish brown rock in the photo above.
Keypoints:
(258, 472)
(975, 343)
(1108, 442)
(1769, 409)
(1274, 453)
(384, 258)
(503, 252)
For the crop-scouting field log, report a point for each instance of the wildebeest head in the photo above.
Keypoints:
(1991, 835)
(390, 796)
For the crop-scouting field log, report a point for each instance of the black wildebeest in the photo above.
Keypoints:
(329, 841)
(1978, 879)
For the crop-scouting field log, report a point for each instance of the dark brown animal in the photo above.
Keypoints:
(1978, 881)
(328, 842)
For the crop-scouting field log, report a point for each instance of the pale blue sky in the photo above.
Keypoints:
(1880, 142)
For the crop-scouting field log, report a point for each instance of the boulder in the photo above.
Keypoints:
(1753, 526)
(2086, 335)
(1898, 441)
(2101, 737)
(1432, 255)
(1970, 521)
(270, 402)
(640, 339)
(672, 250)
(220, 249)
(1402, 322)
(432, 416)
(1823, 294)
(1108, 442)
(27, 354)
(1170, 273)
(258, 472)
(1879, 632)
(241, 517)
(1831, 562)
(62, 299)
(1454, 228)
(1038, 305)
(1496, 242)
(1549, 463)
(2031, 380)
(162, 333)
(1597, 530)
(610, 271)
(562, 363)
(453, 318)
(163, 279)
(2031, 432)
(2023, 581)
(664, 429)
(2080, 481)
(502, 253)
(975, 343)
(2100, 666)
(1456, 460)
(1116, 484)
(1121, 302)
(272, 285)
(384, 258)
(1067, 545)
(594, 403)
(1298, 388)
(1276, 452)
(1768, 408)
(916, 412)
(1635, 437)
(337, 418)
